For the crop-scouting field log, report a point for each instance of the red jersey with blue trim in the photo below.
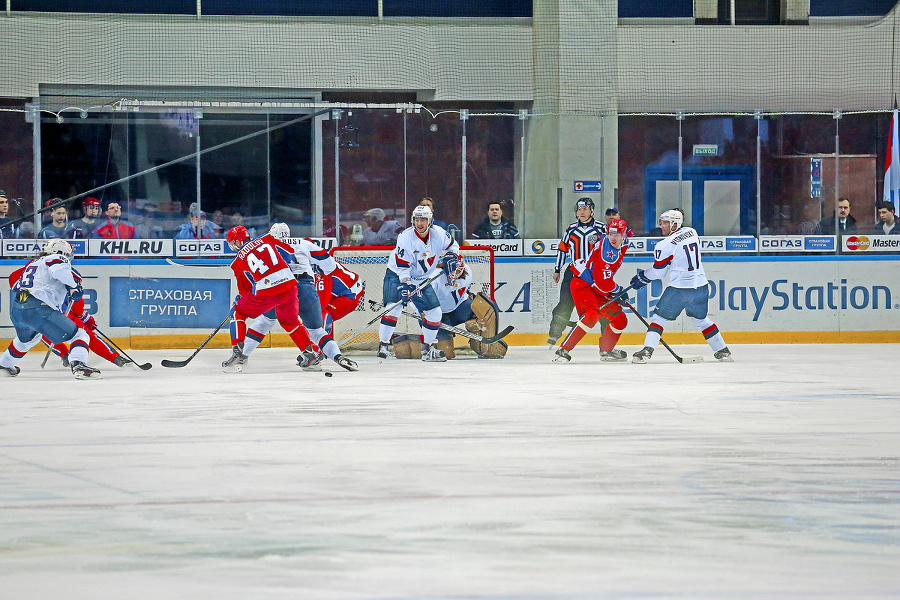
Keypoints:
(340, 282)
(261, 267)
(602, 264)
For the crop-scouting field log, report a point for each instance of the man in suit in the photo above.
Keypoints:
(846, 221)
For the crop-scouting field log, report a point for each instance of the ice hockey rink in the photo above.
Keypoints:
(776, 476)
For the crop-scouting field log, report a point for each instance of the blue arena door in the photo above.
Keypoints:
(717, 199)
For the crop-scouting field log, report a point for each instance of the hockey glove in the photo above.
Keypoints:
(89, 323)
(405, 290)
(75, 293)
(640, 280)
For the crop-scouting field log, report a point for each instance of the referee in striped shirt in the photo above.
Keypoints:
(576, 243)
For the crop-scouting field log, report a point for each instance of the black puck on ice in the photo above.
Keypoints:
(328, 374)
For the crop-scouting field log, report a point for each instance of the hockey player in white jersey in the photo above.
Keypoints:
(416, 259)
(688, 290)
(46, 288)
(306, 255)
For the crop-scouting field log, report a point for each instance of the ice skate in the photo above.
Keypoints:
(309, 360)
(614, 355)
(724, 355)
(82, 371)
(10, 371)
(384, 350)
(643, 355)
(236, 363)
(431, 353)
(562, 356)
(346, 363)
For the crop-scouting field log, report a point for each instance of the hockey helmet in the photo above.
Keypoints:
(58, 246)
(423, 211)
(617, 226)
(584, 203)
(237, 237)
(280, 231)
(673, 216)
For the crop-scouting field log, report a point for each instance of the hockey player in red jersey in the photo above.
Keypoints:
(264, 282)
(340, 292)
(592, 288)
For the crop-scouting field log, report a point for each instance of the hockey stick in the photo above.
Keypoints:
(177, 364)
(620, 296)
(399, 302)
(49, 350)
(457, 330)
(681, 359)
(105, 338)
(178, 264)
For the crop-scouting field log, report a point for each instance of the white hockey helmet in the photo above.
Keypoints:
(673, 216)
(280, 231)
(423, 211)
(58, 246)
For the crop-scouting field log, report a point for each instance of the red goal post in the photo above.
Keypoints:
(370, 262)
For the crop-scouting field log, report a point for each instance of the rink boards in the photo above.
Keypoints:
(809, 299)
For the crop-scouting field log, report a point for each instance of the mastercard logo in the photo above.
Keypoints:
(537, 247)
(858, 242)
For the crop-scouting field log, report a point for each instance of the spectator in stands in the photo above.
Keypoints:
(84, 227)
(114, 227)
(26, 231)
(57, 226)
(237, 220)
(613, 213)
(198, 228)
(6, 230)
(426, 201)
(846, 221)
(887, 220)
(379, 231)
(217, 220)
(495, 226)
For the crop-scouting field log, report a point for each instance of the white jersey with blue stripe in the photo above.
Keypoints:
(48, 278)
(679, 256)
(308, 255)
(451, 295)
(416, 259)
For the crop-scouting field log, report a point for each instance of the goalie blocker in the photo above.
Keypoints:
(483, 322)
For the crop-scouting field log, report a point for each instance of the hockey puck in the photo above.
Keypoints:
(328, 374)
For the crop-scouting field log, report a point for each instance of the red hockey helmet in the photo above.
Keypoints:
(237, 237)
(617, 226)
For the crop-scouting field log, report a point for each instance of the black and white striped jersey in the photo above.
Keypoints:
(577, 242)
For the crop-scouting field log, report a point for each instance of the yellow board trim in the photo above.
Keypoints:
(281, 340)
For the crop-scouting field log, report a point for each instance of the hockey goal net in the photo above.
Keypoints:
(370, 262)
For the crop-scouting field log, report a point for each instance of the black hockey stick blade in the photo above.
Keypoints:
(177, 364)
(143, 367)
(500, 335)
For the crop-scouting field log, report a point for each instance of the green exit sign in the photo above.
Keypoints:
(706, 149)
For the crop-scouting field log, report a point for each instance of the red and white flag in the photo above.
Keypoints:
(892, 165)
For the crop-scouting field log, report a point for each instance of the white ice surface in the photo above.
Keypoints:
(776, 477)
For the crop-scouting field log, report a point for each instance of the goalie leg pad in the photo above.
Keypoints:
(496, 350)
(407, 346)
(446, 344)
(485, 312)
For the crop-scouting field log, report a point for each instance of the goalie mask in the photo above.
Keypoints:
(453, 267)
